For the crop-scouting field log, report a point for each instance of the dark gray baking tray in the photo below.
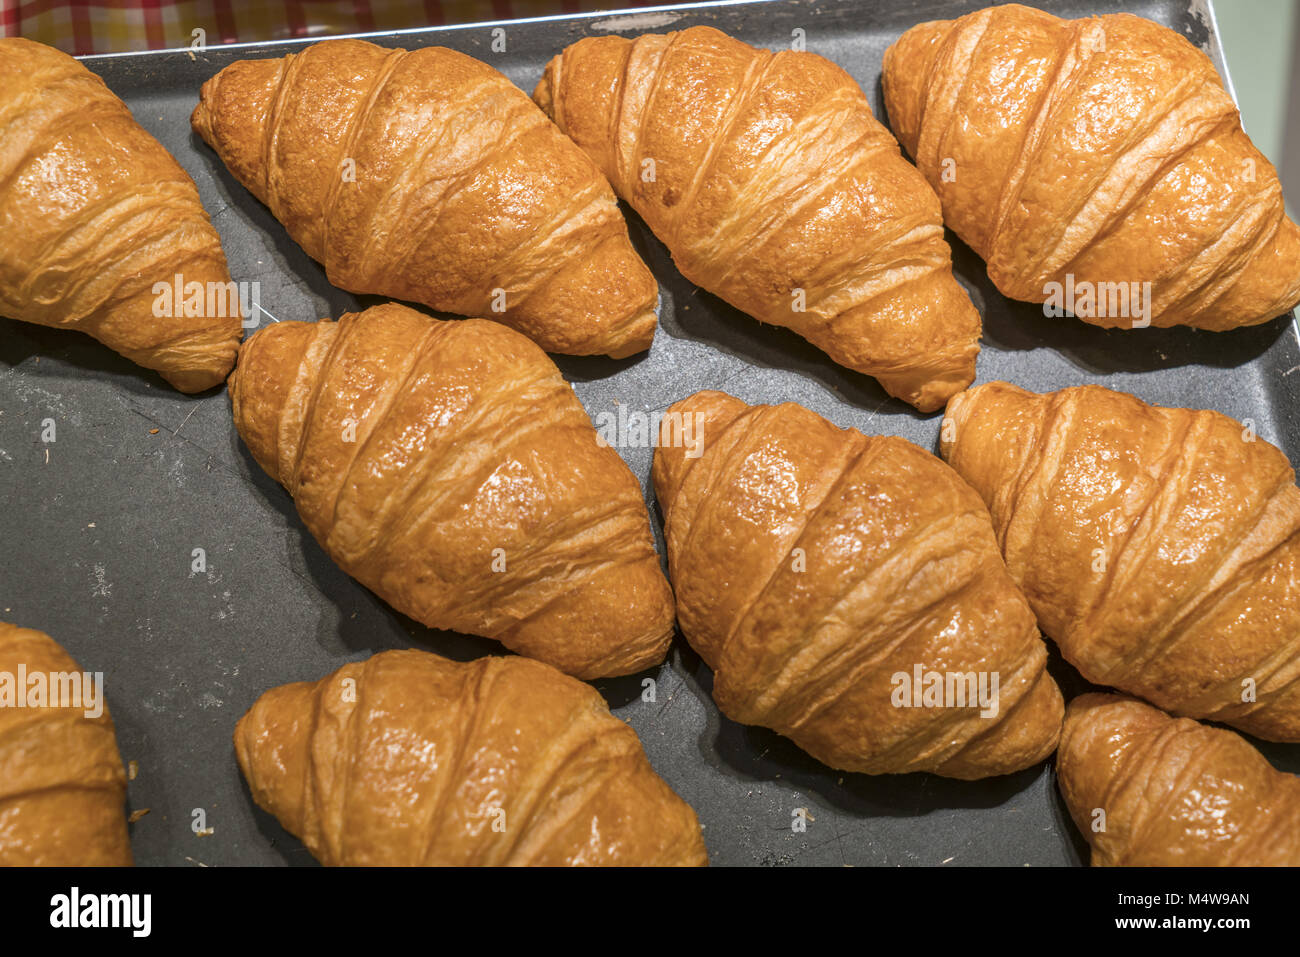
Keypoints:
(96, 539)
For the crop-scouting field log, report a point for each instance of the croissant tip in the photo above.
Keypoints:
(637, 343)
(543, 93)
(1090, 701)
(195, 381)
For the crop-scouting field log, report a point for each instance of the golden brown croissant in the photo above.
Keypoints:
(448, 467)
(1083, 158)
(1159, 547)
(1150, 790)
(410, 759)
(774, 187)
(827, 576)
(101, 230)
(61, 780)
(428, 176)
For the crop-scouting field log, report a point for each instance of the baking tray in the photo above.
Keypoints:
(97, 528)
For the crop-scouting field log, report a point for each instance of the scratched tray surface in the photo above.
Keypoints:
(99, 527)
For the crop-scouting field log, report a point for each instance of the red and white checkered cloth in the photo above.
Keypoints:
(83, 27)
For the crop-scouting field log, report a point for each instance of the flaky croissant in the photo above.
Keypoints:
(448, 467)
(774, 187)
(1159, 547)
(62, 786)
(101, 230)
(826, 576)
(1083, 158)
(410, 759)
(1150, 790)
(426, 175)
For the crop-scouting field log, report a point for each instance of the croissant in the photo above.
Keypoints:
(1150, 790)
(774, 187)
(448, 467)
(410, 759)
(101, 230)
(833, 581)
(62, 786)
(1097, 165)
(426, 175)
(1159, 547)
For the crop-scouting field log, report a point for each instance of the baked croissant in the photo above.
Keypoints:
(1159, 547)
(774, 187)
(410, 759)
(101, 230)
(448, 467)
(62, 786)
(1150, 790)
(1084, 158)
(825, 576)
(428, 176)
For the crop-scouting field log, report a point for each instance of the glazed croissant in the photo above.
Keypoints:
(1083, 158)
(774, 187)
(427, 176)
(826, 576)
(101, 230)
(1150, 790)
(448, 467)
(410, 759)
(1159, 547)
(62, 786)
